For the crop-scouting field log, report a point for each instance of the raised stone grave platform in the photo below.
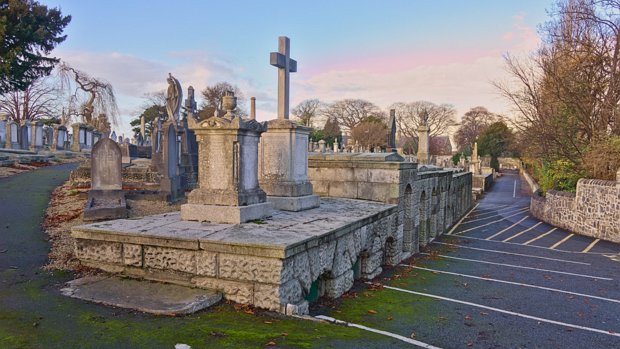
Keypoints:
(279, 264)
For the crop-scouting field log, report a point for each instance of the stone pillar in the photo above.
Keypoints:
(283, 166)
(253, 108)
(228, 189)
(475, 161)
(423, 145)
(78, 136)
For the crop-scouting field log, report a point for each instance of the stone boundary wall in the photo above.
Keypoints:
(531, 182)
(430, 200)
(483, 181)
(594, 210)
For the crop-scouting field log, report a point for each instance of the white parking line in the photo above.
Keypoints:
(523, 232)
(561, 241)
(385, 333)
(487, 224)
(587, 249)
(540, 236)
(511, 253)
(495, 211)
(523, 267)
(513, 283)
(510, 227)
(560, 323)
(459, 223)
(496, 214)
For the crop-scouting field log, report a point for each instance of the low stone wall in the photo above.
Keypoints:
(430, 199)
(483, 181)
(279, 265)
(594, 210)
(534, 188)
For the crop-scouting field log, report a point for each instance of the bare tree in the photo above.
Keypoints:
(409, 117)
(213, 99)
(370, 133)
(567, 94)
(39, 100)
(350, 112)
(89, 97)
(307, 111)
(473, 123)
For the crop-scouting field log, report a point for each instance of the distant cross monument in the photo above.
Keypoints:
(285, 65)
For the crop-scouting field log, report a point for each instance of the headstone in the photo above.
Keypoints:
(13, 139)
(60, 137)
(423, 141)
(2, 133)
(310, 146)
(37, 130)
(113, 136)
(89, 139)
(106, 199)
(23, 137)
(228, 189)
(322, 146)
(120, 139)
(392, 130)
(336, 146)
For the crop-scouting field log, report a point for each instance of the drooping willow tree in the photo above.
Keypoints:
(91, 99)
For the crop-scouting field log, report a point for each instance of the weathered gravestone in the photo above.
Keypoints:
(24, 142)
(106, 199)
(2, 132)
(12, 140)
(36, 142)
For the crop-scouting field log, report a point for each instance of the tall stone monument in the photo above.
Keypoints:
(474, 167)
(423, 140)
(392, 131)
(283, 165)
(228, 189)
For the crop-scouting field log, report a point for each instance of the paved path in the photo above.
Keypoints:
(502, 280)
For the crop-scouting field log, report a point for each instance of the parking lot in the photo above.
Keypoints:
(499, 279)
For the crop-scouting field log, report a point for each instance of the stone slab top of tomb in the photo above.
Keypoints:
(283, 235)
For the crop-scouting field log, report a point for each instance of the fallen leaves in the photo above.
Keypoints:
(370, 311)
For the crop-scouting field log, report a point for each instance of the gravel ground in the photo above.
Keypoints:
(65, 210)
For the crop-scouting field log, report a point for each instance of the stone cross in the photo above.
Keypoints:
(285, 65)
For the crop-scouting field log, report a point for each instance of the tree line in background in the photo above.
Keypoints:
(567, 95)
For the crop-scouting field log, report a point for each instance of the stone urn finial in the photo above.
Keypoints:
(229, 103)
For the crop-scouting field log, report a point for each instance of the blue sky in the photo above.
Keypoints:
(383, 51)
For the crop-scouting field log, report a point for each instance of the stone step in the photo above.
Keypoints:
(145, 296)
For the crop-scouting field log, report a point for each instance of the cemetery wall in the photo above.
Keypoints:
(430, 200)
(594, 210)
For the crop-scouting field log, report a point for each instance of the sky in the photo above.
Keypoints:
(442, 51)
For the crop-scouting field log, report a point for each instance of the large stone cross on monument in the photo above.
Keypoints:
(286, 65)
